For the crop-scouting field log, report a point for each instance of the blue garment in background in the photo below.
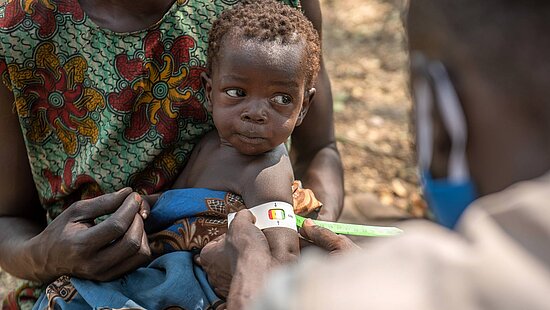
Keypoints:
(446, 199)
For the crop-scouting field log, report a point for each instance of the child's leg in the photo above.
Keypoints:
(283, 243)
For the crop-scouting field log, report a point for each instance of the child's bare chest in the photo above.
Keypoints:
(213, 167)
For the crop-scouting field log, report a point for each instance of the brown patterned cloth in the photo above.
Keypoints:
(304, 199)
(187, 219)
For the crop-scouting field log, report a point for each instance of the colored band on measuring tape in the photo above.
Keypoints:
(353, 229)
(271, 214)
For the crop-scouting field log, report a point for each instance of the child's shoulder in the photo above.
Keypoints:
(274, 164)
(277, 155)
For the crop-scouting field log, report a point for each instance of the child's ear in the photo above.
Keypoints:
(308, 99)
(207, 83)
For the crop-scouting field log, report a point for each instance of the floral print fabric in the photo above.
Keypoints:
(102, 110)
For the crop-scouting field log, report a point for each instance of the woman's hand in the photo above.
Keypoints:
(243, 242)
(216, 262)
(326, 239)
(72, 244)
(238, 263)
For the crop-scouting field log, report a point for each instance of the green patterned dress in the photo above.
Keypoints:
(102, 110)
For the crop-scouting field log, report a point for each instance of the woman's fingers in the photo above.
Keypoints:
(148, 202)
(325, 238)
(145, 209)
(116, 258)
(89, 209)
(72, 244)
(116, 225)
(130, 244)
(136, 260)
(243, 218)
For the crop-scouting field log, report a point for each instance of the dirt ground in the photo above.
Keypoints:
(367, 62)
(365, 56)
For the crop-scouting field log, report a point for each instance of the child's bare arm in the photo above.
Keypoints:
(270, 180)
(283, 243)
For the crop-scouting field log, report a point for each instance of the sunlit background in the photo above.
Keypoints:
(365, 54)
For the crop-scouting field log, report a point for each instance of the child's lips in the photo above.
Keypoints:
(251, 139)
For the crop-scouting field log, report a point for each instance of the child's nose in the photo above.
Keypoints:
(255, 112)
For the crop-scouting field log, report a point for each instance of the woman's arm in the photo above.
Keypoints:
(21, 216)
(70, 244)
(314, 154)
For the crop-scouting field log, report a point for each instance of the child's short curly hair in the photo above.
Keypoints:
(267, 21)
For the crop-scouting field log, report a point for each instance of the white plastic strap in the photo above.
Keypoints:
(271, 214)
(454, 120)
(424, 104)
(452, 117)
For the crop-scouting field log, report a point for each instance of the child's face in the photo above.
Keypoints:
(257, 93)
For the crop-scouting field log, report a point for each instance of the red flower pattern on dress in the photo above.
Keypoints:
(161, 89)
(83, 187)
(13, 14)
(4, 74)
(57, 102)
(42, 12)
(156, 176)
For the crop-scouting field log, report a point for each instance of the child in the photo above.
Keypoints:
(262, 61)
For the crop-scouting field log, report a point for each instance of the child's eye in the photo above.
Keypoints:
(282, 99)
(235, 92)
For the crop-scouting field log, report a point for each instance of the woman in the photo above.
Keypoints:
(108, 97)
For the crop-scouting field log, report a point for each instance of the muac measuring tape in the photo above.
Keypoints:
(281, 214)
(353, 229)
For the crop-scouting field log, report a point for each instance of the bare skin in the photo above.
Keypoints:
(125, 15)
(22, 219)
(257, 95)
(314, 155)
(495, 163)
(220, 167)
(241, 257)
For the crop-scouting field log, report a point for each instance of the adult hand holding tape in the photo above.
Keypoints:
(281, 214)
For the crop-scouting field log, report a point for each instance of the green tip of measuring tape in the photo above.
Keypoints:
(353, 229)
